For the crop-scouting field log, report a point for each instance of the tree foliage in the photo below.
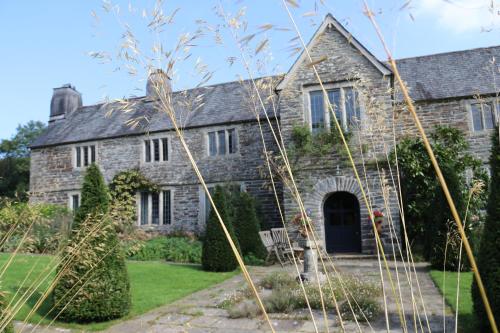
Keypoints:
(247, 226)
(93, 284)
(217, 255)
(430, 225)
(488, 259)
(15, 162)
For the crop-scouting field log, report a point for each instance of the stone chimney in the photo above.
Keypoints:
(158, 83)
(65, 100)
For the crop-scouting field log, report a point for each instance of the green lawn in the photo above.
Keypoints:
(466, 320)
(153, 284)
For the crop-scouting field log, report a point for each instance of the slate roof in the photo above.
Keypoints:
(204, 106)
(439, 76)
(453, 74)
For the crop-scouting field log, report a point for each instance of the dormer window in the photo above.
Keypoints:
(156, 150)
(84, 156)
(222, 142)
(345, 103)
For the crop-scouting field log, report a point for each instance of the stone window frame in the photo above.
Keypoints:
(493, 101)
(202, 216)
(74, 154)
(306, 94)
(206, 142)
(70, 199)
(150, 208)
(150, 138)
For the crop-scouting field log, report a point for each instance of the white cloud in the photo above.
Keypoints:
(461, 15)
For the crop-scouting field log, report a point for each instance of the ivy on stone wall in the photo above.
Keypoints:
(123, 189)
(307, 145)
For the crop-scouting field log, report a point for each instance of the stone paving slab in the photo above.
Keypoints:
(198, 312)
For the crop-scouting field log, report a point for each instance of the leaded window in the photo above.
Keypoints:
(345, 104)
(222, 142)
(155, 208)
(84, 156)
(156, 150)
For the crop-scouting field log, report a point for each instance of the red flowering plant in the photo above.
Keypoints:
(378, 218)
(303, 223)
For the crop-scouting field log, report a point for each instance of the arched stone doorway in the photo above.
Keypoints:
(342, 220)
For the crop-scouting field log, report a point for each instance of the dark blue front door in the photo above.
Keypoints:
(342, 223)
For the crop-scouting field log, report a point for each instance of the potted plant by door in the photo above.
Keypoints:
(378, 218)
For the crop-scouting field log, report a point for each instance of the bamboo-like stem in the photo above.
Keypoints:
(439, 173)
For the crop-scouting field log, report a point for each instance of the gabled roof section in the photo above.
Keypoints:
(331, 21)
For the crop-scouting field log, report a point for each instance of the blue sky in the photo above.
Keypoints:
(47, 43)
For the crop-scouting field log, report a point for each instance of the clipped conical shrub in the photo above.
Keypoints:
(94, 196)
(217, 255)
(246, 225)
(488, 260)
(94, 284)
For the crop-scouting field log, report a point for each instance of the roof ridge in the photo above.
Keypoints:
(183, 90)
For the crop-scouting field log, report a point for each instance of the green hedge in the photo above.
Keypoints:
(488, 259)
(175, 249)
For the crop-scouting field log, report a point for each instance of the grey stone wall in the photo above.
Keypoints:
(452, 112)
(53, 176)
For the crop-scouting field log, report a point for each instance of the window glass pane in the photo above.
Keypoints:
(144, 208)
(75, 202)
(155, 205)
(212, 144)
(85, 156)
(222, 142)
(92, 154)
(156, 149)
(334, 99)
(476, 116)
(488, 116)
(78, 157)
(164, 144)
(351, 106)
(232, 144)
(317, 111)
(166, 207)
(147, 151)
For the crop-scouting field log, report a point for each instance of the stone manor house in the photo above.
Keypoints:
(456, 88)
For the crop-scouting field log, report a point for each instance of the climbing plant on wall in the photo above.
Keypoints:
(123, 189)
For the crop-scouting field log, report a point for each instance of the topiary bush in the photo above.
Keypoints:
(93, 284)
(246, 226)
(217, 255)
(488, 260)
